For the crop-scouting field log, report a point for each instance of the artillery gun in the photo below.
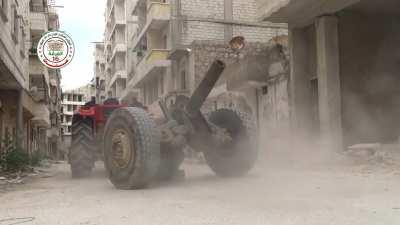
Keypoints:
(138, 148)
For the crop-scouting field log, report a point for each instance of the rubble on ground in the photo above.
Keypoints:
(9, 180)
(374, 156)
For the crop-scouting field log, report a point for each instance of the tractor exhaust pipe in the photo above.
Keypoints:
(201, 93)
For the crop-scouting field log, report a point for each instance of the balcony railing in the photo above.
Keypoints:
(157, 54)
(158, 11)
(38, 8)
(39, 94)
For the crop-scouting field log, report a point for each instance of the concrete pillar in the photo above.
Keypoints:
(329, 82)
(19, 120)
(299, 87)
(118, 88)
(191, 72)
(228, 16)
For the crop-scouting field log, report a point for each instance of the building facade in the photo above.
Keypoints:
(171, 45)
(29, 92)
(176, 41)
(119, 26)
(99, 72)
(71, 101)
(344, 69)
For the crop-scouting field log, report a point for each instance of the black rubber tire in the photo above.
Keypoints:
(81, 155)
(143, 164)
(171, 160)
(238, 157)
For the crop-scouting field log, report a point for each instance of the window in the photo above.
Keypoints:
(165, 42)
(79, 98)
(23, 37)
(69, 108)
(15, 24)
(75, 107)
(4, 9)
(183, 80)
(53, 119)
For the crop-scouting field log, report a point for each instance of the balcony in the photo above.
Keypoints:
(117, 48)
(158, 16)
(117, 72)
(37, 69)
(153, 64)
(39, 94)
(41, 115)
(38, 18)
(116, 21)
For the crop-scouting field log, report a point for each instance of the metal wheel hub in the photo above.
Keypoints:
(121, 149)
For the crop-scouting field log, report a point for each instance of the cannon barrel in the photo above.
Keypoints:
(201, 93)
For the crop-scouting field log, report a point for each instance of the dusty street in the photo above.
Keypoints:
(269, 195)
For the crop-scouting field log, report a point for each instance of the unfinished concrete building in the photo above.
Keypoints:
(25, 92)
(119, 24)
(71, 101)
(344, 82)
(99, 72)
(177, 40)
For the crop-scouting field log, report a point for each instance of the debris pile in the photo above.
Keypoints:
(9, 180)
(376, 155)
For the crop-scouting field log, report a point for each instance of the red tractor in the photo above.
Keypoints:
(137, 149)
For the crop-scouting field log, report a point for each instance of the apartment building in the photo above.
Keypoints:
(119, 26)
(99, 72)
(25, 92)
(177, 40)
(71, 101)
(344, 69)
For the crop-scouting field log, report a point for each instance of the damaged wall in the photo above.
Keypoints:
(268, 100)
(204, 53)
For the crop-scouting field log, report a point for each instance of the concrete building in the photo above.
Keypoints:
(119, 25)
(99, 72)
(71, 101)
(54, 133)
(25, 92)
(177, 40)
(344, 68)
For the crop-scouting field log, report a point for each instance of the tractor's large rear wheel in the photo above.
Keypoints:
(237, 156)
(82, 151)
(131, 148)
